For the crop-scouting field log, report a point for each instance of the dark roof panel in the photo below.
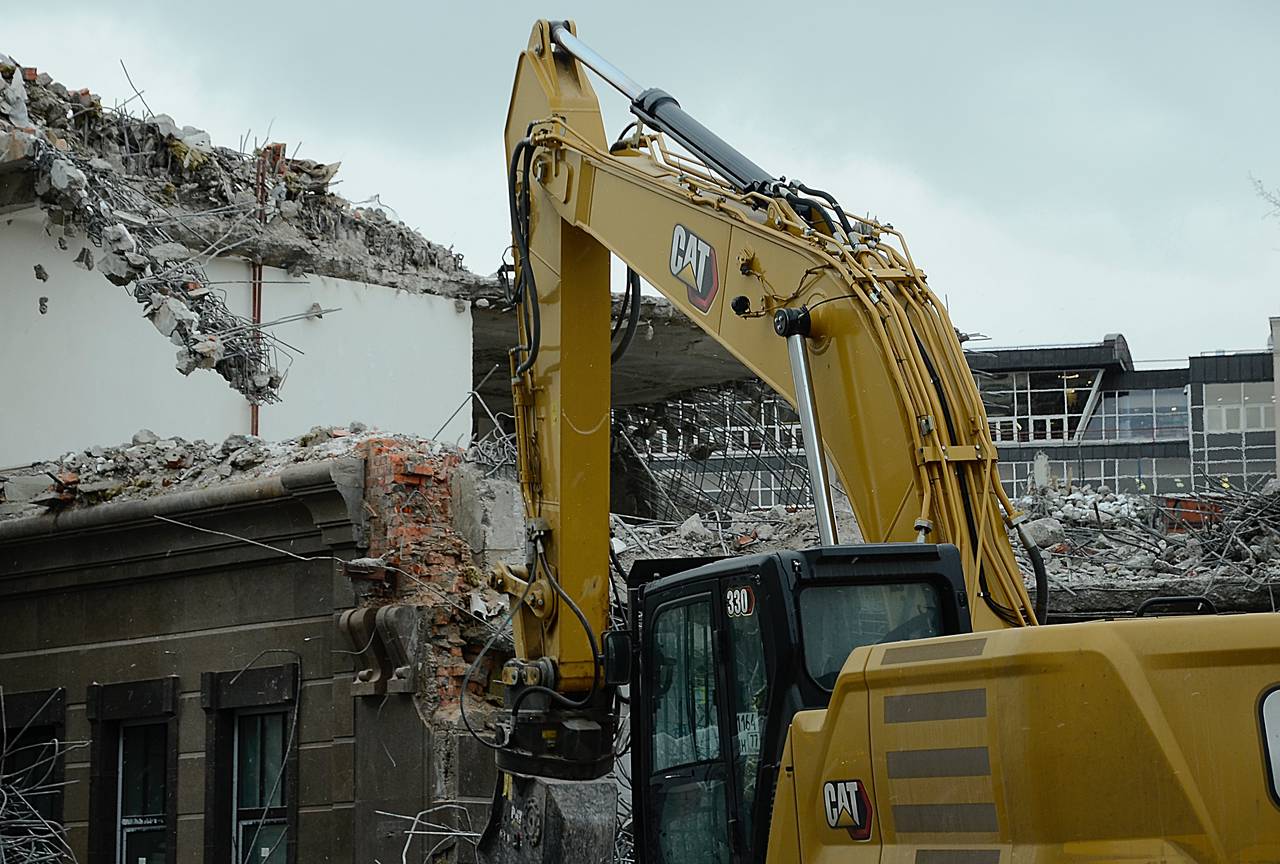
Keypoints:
(1230, 368)
(1111, 353)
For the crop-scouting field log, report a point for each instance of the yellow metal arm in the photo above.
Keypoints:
(903, 424)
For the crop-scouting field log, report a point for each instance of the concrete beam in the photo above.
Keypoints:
(670, 355)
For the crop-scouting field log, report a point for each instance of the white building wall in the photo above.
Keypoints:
(91, 370)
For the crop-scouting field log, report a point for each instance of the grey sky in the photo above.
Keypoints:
(1061, 171)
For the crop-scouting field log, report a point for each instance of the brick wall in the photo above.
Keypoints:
(412, 528)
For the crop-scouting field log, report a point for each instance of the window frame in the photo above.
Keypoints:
(123, 830)
(225, 697)
(715, 769)
(111, 708)
(271, 814)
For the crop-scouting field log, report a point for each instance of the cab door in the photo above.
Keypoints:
(686, 790)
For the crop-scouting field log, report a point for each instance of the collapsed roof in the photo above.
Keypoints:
(146, 202)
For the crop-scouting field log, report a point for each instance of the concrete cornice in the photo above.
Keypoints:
(332, 490)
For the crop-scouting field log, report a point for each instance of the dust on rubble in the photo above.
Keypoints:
(150, 465)
(1108, 551)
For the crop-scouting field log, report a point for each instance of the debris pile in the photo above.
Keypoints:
(722, 534)
(150, 465)
(146, 203)
(1105, 552)
(1108, 552)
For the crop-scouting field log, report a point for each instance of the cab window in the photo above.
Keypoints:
(835, 619)
(687, 791)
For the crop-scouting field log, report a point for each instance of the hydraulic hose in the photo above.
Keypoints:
(526, 292)
(835, 205)
(1042, 576)
(631, 311)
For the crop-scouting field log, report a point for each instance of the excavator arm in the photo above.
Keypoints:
(829, 310)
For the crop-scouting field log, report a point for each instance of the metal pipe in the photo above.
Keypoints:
(823, 508)
(561, 36)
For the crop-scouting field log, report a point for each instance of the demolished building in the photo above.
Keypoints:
(126, 238)
(323, 604)
(319, 598)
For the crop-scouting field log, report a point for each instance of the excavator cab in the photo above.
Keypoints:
(724, 654)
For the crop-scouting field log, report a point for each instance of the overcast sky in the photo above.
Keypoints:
(1061, 171)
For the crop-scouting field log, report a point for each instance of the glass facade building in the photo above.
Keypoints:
(1098, 420)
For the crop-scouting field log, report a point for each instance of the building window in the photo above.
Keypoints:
(1037, 406)
(251, 756)
(133, 776)
(31, 760)
(261, 820)
(143, 793)
(1248, 407)
(1237, 449)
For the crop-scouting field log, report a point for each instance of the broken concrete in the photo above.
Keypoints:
(1107, 552)
(644, 374)
(159, 199)
(150, 465)
(339, 552)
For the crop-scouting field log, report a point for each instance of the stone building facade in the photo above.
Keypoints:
(267, 670)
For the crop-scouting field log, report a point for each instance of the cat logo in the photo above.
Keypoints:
(693, 262)
(847, 807)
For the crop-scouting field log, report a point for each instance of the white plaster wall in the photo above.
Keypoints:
(390, 359)
(92, 370)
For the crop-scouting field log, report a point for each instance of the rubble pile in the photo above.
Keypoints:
(151, 465)
(1105, 552)
(144, 201)
(721, 534)
(1108, 552)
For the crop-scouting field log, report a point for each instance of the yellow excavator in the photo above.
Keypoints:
(899, 701)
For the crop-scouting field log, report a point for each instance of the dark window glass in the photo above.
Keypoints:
(836, 619)
(260, 758)
(1046, 380)
(261, 818)
(692, 822)
(143, 787)
(263, 842)
(142, 779)
(1050, 403)
(686, 726)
